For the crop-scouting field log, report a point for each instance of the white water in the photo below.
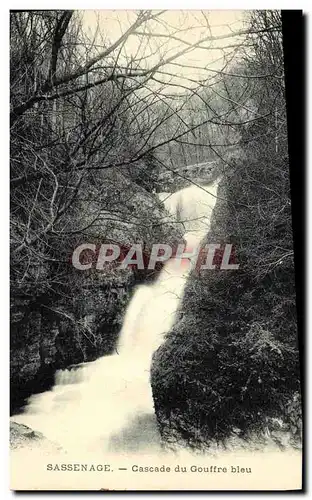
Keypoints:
(91, 407)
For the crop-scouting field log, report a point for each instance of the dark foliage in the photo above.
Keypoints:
(231, 363)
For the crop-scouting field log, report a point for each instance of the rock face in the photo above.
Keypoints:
(231, 360)
(22, 436)
(176, 179)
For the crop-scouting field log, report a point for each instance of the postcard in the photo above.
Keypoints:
(154, 327)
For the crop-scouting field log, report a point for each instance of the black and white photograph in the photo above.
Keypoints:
(154, 331)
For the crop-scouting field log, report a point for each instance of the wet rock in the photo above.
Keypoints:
(22, 436)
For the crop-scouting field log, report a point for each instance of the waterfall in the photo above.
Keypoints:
(108, 402)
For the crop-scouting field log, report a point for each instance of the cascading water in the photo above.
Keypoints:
(93, 406)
